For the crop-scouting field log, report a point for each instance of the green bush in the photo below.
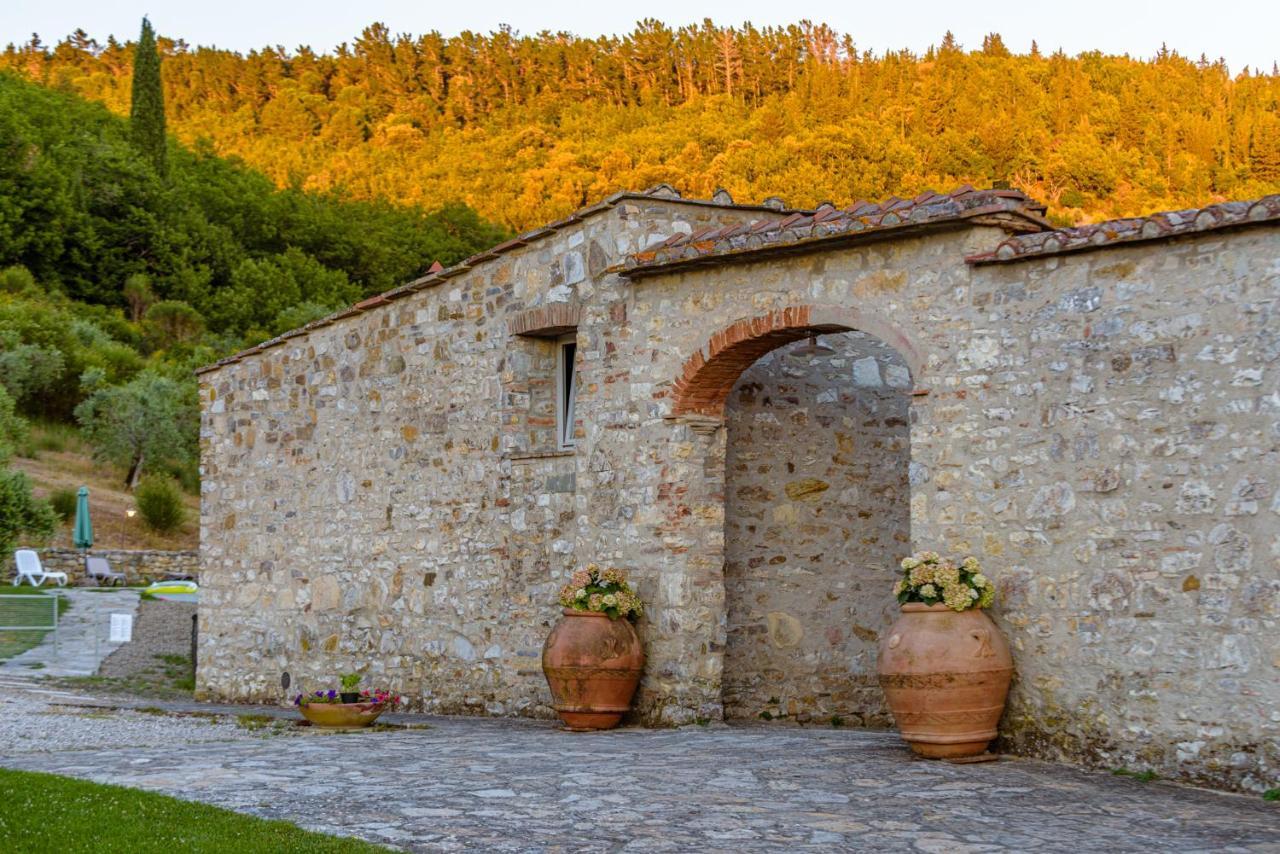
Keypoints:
(18, 280)
(186, 473)
(14, 430)
(24, 519)
(159, 501)
(63, 502)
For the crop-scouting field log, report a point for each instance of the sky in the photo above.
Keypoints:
(1244, 32)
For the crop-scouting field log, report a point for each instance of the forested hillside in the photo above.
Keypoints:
(527, 128)
(124, 267)
(252, 193)
(86, 214)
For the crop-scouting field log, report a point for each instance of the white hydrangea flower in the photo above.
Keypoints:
(581, 594)
(980, 580)
(929, 591)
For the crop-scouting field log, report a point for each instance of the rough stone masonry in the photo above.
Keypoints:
(773, 407)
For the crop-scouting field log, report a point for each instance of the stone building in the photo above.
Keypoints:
(757, 411)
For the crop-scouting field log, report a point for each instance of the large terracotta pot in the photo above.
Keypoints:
(592, 665)
(342, 715)
(945, 675)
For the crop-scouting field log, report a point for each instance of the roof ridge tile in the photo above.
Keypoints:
(1155, 226)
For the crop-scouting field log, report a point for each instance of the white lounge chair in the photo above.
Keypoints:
(29, 568)
(97, 569)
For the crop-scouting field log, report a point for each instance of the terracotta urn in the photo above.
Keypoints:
(342, 715)
(945, 675)
(592, 665)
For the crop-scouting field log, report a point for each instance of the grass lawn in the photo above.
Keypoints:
(46, 813)
(16, 643)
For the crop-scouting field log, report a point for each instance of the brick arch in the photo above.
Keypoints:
(710, 373)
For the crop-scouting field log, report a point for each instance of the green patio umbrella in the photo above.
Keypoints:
(82, 533)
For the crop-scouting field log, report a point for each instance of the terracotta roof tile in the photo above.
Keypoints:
(828, 222)
(1154, 227)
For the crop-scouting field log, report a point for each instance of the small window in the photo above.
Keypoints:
(566, 388)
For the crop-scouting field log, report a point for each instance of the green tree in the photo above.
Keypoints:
(18, 280)
(152, 420)
(299, 315)
(137, 293)
(146, 108)
(46, 345)
(20, 512)
(28, 370)
(261, 291)
(13, 427)
(170, 323)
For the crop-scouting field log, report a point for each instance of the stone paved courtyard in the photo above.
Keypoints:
(509, 785)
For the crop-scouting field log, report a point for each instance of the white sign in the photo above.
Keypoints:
(121, 628)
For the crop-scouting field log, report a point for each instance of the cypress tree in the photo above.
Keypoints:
(146, 113)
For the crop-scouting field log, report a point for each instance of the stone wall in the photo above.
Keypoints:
(1100, 429)
(816, 516)
(140, 566)
(386, 494)
(1123, 424)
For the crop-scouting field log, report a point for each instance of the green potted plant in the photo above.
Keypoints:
(350, 687)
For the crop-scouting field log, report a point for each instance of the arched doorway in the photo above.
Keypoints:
(815, 407)
(817, 512)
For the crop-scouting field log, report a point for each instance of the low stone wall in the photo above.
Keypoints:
(141, 566)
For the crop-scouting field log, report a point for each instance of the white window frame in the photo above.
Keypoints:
(565, 416)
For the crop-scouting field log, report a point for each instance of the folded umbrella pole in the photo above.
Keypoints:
(82, 533)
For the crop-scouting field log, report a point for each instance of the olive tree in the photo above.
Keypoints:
(150, 420)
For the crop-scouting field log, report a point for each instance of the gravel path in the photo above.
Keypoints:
(39, 721)
(160, 628)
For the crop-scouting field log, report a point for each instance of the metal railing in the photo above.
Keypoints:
(27, 614)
